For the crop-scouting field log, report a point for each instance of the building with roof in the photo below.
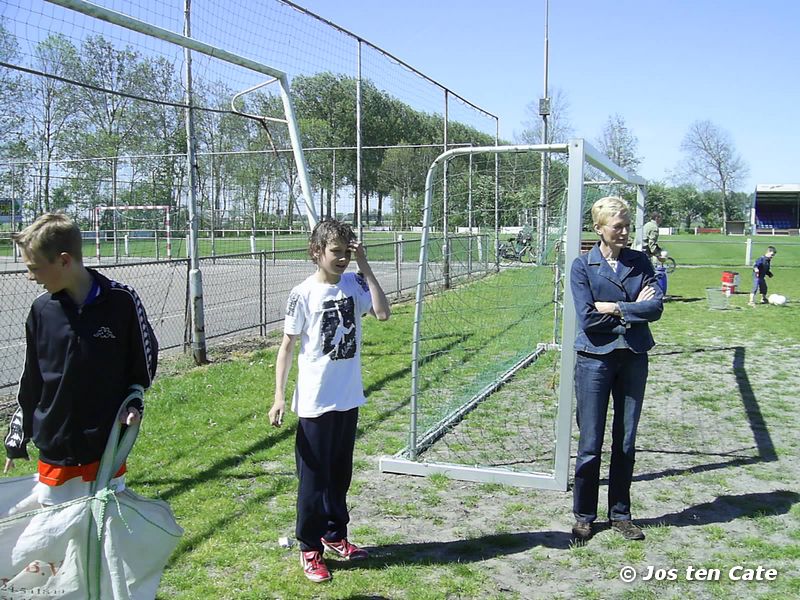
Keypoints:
(776, 209)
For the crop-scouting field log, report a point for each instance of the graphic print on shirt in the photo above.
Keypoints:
(339, 329)
(291, 304)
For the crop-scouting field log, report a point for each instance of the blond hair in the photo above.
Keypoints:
(607, 208)
(50, 235)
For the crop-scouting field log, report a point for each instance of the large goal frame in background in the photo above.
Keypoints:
(580, 154)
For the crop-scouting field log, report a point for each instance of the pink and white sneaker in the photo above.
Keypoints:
(345, 549)
(314, 566)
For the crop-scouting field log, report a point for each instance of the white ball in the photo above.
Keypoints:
(776, 299)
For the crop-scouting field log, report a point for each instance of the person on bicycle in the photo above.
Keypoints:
(650, 236)
(524, 238)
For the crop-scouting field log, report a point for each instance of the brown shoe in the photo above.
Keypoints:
(581, 531)
(628, 529)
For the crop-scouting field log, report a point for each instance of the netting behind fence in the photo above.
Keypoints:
(100, 114)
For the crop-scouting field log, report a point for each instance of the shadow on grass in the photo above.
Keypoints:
(765, 449)
(177, 487)
(459, 551)
(725, 509)
(682, 299)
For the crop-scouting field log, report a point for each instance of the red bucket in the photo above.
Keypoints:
(730, 279)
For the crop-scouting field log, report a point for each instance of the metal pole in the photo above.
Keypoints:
(469, 217)
(262, 310)
(97, 234)
(213, 210)
(358, 142)
(569, 319)
(13, 213)
(114, 204)
(333, 185)
(544, 111)
(496, 199)
(195, 276)
(641, 205)
(445, 208)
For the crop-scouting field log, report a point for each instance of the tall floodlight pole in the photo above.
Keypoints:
(195, 276)
(544, 111)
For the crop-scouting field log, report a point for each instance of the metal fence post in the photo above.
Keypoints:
(262, 310)
(398, 241)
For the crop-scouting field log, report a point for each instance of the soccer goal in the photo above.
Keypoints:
(136, 226)
(492, 361)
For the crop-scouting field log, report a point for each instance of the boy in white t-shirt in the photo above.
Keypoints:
(325, 313)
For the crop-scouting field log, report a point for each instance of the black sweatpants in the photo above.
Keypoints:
(324, 457)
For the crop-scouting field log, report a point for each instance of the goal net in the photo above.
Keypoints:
(491, 396)
(133, 231)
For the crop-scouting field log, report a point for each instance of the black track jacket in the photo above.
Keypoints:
(79, 364)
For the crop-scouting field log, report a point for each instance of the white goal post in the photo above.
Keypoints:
(471, 410)
(98, 213)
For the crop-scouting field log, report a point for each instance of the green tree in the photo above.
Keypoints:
(50, 107)
(111, 124)
(10, 87)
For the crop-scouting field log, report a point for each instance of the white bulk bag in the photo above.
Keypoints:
(102, 546)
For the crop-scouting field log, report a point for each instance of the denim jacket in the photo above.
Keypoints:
(592, 280)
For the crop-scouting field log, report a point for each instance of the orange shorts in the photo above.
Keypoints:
(56, 475)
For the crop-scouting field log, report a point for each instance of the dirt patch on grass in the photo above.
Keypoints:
(715, 486)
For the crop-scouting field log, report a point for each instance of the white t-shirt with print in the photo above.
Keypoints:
(327, 317)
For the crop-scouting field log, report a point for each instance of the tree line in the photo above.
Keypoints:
(701, 191)
(96, 125)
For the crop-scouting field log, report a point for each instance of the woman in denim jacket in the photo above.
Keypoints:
(616, 296)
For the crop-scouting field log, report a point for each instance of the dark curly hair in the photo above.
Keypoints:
(327, 231)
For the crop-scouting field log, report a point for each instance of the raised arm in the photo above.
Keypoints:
(380, 305)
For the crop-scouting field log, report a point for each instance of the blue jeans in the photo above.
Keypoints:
(759, 285)
(621, 374)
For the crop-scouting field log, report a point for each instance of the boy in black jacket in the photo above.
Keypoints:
(88, 341)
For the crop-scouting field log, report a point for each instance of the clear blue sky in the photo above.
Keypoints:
(659, 64)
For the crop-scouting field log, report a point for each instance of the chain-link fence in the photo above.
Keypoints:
(99, 112)
(243, 293)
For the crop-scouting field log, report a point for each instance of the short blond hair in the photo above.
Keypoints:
(607, 208)
(50, 235)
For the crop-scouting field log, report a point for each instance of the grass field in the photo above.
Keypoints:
(715, 483)
(695, 250)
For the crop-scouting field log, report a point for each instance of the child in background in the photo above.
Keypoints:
(761, 270)
(88, 341)
(324, 312)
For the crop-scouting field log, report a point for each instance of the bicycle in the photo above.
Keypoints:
(662, 259)
(515, 251)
